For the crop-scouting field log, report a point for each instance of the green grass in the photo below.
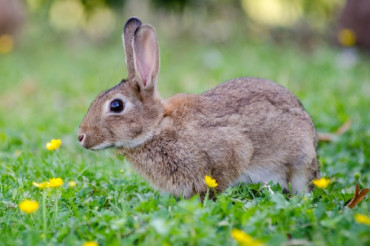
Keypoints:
(47, 84)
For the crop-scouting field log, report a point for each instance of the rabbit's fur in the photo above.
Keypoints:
(244, 130)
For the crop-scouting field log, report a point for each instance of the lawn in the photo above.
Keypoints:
(47, 84)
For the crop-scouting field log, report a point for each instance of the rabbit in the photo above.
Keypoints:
(245, 130)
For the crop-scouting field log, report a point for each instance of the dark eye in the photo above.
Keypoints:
(117, 106)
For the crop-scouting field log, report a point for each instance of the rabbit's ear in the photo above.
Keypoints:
(146, 55)
(127, 37)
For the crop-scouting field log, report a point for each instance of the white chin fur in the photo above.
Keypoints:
(103, 145)
(135, 142)
(128, 145)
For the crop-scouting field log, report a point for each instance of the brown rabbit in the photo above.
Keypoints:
(244, 130)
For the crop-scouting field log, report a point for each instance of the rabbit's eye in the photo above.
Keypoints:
(117, 106)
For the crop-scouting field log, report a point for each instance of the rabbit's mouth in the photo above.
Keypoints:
(87, 143)
(103, 145)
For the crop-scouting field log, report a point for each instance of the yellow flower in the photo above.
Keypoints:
(346, 37)
(210, 182)
(243, 238)
(52, 183)
(362, 219)
(41, 185)
(72, 183)
(55, 182)
(90, 243)
(321, 183)
(54, 144)
(29, 206)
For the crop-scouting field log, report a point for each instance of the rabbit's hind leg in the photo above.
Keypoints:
(301, 178)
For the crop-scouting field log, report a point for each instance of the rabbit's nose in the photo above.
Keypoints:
(81, 137)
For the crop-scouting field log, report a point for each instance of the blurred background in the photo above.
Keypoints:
(56, 55)
(307, 21)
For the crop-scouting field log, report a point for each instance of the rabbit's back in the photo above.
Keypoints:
(248, 95)
(271, 118)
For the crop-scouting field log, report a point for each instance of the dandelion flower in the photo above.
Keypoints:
(52, 183)
(41, 185)
(90, 243)
(55, 182)
(210, 182)
(244, 238)
(28, 206)
(321, 183)
(362, 219)
(72, 183)
(54, 144)
(346, 37)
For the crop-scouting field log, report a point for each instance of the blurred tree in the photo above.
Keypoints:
(281, 19)
(11, 16)
(320, 12)
(90, 5)
(288, 12)
(177, 5)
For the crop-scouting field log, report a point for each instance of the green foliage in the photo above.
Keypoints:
(47, 85)
(172, 4)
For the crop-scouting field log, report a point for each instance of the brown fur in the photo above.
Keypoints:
(244, 130)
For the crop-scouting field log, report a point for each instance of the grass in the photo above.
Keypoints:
(47, 84)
